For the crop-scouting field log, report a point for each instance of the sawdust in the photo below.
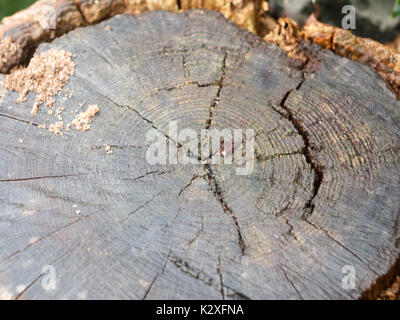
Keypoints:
(108, 149)
(83, 120)
(56, 128)
(46, 75)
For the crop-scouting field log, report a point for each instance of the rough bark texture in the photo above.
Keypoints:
(291, 37)
(325, 191)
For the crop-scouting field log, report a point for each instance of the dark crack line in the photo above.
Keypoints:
(189, 184)
(290, 232)
(185, 84)
(43, 177)
(19, 295)
(47, 236)
(263, 158)
(192, 272)
(144, 204)
(291, 283)
(340, 244)
(220, 278)
(151, 123)
(150, 287)
(156, 172)
(218, 194)
(20, 120)
(191, 241)
(210, 176)
(215, 101)
(157, 275)
(307, 152)
(236, 294)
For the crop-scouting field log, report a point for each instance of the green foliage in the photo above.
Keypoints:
(396, 9)
(8, 7)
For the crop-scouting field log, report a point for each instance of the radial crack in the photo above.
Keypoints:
(144, 204)
(291, 283)
(218, 194)
(46, 237)
(191, 271)
(307, 152)
(215, 101)
(20, 120)
(340, 244)
(189, 184)
(220, 278)
(150, 287)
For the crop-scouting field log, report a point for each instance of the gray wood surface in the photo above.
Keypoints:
(324, 193)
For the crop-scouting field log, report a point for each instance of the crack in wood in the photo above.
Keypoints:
(291, 282)
(307, 152)
(219, 196)
(150, 287)
(20, 120)
(191, 241)
(290, 232)
(19, 295)
(340, 244)
(47, 236)
(263, 157)
(215, 101)
(156, 172)
(185, 84)
(189, 184)
(220, 277)
(144, 204)
(44, 177)
(191, 271)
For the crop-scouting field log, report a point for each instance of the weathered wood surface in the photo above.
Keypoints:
(324, 192)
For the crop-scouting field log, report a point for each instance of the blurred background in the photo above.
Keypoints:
(376, 19)
(8, 7)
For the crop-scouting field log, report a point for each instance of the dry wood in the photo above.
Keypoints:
(325, 191)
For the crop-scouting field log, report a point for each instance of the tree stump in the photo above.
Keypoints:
(322, 201)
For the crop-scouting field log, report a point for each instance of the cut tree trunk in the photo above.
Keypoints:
(322, 201)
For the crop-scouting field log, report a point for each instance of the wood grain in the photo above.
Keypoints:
(324, 193)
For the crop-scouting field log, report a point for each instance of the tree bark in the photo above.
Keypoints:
(324, 193)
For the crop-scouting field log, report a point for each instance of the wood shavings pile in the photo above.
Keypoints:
(46, 75)
(83, 120)
(108, 149)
